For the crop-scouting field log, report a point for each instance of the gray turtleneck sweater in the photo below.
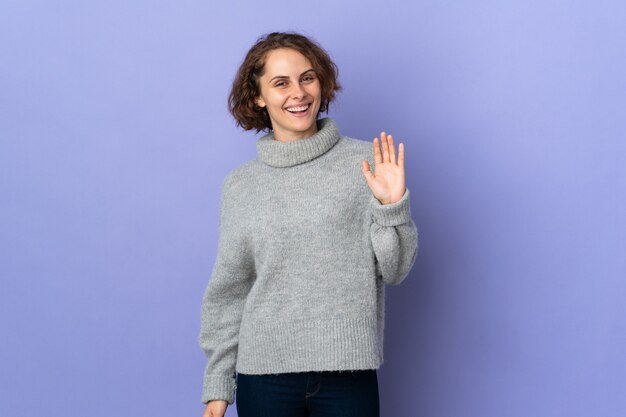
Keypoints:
(304, 252)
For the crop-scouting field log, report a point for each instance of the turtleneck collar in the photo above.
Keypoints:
(285, 154)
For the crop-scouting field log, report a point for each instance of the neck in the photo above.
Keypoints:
(282, 137)
(279, 153)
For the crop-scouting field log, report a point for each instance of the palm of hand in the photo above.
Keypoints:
(388, 182)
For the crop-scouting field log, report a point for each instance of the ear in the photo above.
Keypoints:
(259, 101)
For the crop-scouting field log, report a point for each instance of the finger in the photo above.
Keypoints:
(401, 155)
(392, 149)
(383, 137)
(377, 156)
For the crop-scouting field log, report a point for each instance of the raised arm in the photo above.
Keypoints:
(393, 233)
(394, 239)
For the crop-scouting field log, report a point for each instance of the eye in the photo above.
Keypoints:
(308, 78)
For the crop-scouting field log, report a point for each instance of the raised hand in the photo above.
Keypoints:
(388, 183)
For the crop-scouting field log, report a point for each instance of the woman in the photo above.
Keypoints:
(293, 314)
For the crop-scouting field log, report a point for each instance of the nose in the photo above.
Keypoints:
(298, 91)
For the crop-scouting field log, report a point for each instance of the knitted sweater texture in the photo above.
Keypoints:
(304, 253)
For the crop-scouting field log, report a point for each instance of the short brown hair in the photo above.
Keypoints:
(245, 89)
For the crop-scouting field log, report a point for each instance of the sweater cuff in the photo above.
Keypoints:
(218, 388)
(392, 214)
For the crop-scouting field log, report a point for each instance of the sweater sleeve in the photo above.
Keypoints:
(394, 238)
(222, 304)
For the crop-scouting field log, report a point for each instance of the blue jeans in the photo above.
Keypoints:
(309, 394)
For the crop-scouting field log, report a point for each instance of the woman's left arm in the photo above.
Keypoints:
(393, 233)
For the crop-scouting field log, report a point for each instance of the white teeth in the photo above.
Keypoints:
(295, 109)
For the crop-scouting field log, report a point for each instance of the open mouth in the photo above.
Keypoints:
(298, 109)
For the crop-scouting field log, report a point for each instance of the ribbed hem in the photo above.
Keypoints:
(218, 387)
(331, 344)
(391, 214)
(285, 154)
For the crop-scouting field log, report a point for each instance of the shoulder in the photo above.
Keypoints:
(236, 176)
(358, 148)
(235, 201)
(356, 144)
(236, 181)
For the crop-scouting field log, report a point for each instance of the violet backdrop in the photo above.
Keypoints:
(115, 138)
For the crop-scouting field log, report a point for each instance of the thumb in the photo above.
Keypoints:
(366, 170)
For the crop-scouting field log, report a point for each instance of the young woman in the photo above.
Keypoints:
(293, 315)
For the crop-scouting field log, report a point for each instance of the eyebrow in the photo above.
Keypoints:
(284, 76)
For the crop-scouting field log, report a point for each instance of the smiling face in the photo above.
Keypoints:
(291, 93)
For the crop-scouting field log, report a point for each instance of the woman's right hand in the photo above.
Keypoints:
(215, 408)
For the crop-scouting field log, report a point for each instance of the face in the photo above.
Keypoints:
(291, 93)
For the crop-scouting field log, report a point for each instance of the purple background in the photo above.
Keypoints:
(115, 139)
